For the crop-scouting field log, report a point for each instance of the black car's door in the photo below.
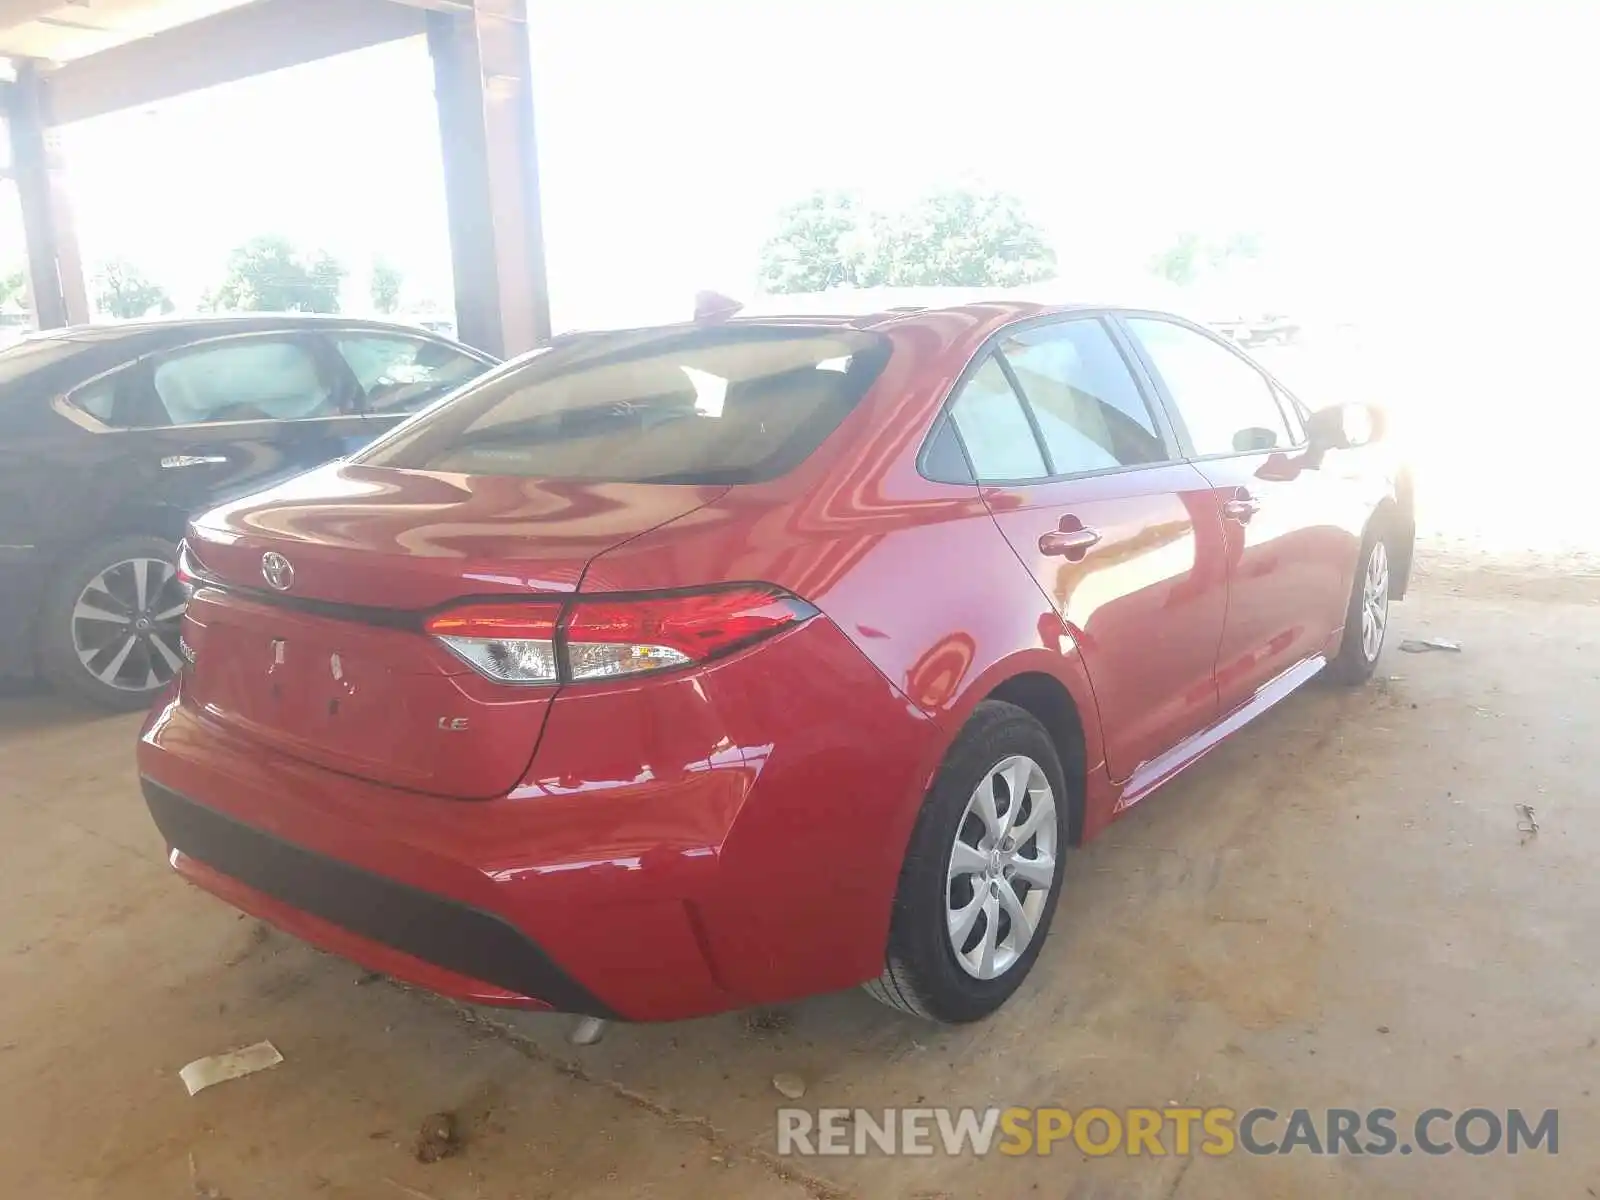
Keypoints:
(201, 424)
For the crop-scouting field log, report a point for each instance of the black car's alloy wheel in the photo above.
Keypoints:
(111, 627)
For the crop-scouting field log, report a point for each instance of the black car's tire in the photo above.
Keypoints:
(97, 641)
(924, 972)
(1359, 650)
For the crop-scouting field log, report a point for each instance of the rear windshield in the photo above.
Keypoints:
(726, 404)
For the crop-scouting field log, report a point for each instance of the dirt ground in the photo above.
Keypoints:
(1334, 909)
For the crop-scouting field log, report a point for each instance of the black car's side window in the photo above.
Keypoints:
(398, 374)
(1088, 407)
(247, 379)
(1227, 404)
(993, 425)
(99, 398)
(120, 400)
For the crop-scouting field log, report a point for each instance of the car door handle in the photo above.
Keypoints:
(1068, 542)
(177, 462)
(1241, 508)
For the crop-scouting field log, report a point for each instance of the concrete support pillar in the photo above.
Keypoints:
(483, 86)
(55, 272)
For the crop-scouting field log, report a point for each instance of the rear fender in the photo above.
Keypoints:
(1093, 791)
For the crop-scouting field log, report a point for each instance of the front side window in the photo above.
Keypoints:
(1085, 400)
(1290, 408)
(727, 404)
(994, 427)
(1226, 403)
(402, 375)
(251, 379)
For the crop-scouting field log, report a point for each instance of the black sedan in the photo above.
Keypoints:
(112, 436)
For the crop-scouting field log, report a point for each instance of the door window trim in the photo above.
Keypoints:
(1107, 319)
(1275, 390)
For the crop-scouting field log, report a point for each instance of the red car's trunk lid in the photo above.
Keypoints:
(333, 668)
(379, 537)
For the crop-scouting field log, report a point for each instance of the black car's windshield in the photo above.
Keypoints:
(722, 404)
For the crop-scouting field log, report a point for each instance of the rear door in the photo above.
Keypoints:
(221, 418)
(1086, 482)
(1288, 559)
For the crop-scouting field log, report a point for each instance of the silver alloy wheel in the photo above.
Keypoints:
(125, 624)
(1001, 867)
(1375, 601)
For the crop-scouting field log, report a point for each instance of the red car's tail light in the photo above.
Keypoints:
(625, 637)
(513, 643)
(606, 637)
(191, 571)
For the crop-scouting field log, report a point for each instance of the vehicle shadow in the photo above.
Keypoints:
(28, 706)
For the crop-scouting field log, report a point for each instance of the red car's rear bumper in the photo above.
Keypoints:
(680, 846)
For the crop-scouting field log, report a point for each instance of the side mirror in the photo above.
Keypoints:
(1342, 427)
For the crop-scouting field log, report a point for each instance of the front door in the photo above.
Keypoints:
(1123, 537)
(1287, 584)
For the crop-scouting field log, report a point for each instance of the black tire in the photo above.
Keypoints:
(59, 631)
(1353, 665)
(921, 973)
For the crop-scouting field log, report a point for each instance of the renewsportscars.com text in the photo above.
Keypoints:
(1171, 1130)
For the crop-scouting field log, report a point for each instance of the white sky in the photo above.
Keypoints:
(1391, 154)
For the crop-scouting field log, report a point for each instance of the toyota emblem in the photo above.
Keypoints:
(277, 570)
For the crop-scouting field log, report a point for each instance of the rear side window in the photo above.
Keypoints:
(728, 404)
(251, 379)
(99, 399)
(1089, 409)
(995, 429)
(402, 375)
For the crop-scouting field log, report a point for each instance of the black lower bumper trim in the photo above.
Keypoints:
(448, 934)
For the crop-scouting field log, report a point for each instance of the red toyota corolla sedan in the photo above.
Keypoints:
(674, 670)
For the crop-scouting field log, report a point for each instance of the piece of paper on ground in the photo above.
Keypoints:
(219, 1068)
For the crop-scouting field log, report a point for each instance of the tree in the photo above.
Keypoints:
(958, 237)
(812, 249)
(267, 274)
(14, 288)
(1180, 262)
(1237, 247)
(386, 282)
(121, 290)
(1187, 258)
(954, 237)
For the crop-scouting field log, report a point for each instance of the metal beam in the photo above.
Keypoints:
(483, 84)
(458, 7)
(266, 36)
(20, 12)
(55, 272)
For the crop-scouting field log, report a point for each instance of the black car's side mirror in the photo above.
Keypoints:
(1341, 427)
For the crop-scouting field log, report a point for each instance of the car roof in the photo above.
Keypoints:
(878, 305)
(821, 314)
